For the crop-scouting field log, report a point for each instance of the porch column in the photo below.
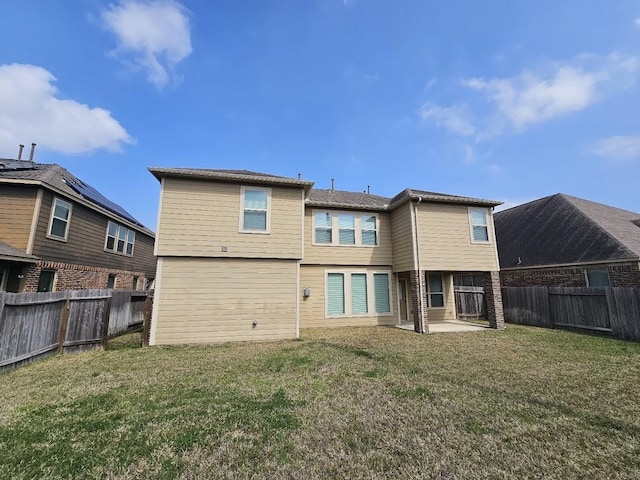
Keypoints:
(418, 304)
(493, 299)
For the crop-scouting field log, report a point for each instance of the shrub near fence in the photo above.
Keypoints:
(612, 310)
(33, 325)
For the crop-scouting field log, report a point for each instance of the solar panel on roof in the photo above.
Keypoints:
(93, 195)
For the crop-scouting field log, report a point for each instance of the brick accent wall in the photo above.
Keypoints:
(557, 277)
(619, 276)
(624, 275)
(80, 277)
(419, 324)
(493, 299)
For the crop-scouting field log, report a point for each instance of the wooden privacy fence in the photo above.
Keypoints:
(469, 302)
(33, 325)
(611, 310)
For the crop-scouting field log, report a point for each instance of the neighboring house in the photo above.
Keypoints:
(58, 233)
(562, 240)
(250, 256)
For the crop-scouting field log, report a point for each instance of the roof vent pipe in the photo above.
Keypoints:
(332, 183)
(299, 176)
(368, 188)
(20, 148)
(33, 149)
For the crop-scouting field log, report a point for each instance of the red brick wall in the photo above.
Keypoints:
(80, 277)
(619, 276)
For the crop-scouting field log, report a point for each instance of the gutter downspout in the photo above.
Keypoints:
(414, 216)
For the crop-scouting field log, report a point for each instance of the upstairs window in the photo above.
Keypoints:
(345, 229)
(369, 229)
(60, 217)
(255, 210)
(120, 239)
(479, 225)
(323, 227)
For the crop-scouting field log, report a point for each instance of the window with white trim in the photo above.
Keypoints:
(323, 227)
(435, 290)
(255, 209)
(60, 219)
(345, 229)
(357, 293)
(119, 239)
(479, 225)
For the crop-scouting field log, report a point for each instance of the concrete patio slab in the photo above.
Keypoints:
(448, 326)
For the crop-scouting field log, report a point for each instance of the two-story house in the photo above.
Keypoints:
(250, 256)
(58, 233)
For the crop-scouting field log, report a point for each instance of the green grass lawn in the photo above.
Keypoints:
(357, 403)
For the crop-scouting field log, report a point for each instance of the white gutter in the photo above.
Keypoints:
(416, 261)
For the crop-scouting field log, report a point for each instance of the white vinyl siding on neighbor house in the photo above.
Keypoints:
(345, 229)
(358, 293)
(255, 210)
(119, 239)
(60, 219)
(479, 225)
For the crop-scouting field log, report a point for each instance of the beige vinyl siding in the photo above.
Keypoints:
(445, 240)
(86, 240)
(347, 255)
(312, 308)
(16, 212)
(402, 238)
(202, 218)
(212, 300)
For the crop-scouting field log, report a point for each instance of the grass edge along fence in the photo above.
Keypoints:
(612, 311)
(34, 325)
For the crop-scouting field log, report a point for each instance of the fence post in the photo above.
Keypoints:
(104, 333)
(146, 326)
(64, 321)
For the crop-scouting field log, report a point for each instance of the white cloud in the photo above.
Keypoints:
(31, 112)
(153, 35)
(638, 22)
(494, 168)
(529, 99)
(618, 147)
(456, 118)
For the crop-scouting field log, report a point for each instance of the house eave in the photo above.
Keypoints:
(575, 264)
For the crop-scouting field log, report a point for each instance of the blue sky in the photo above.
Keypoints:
(508, 100)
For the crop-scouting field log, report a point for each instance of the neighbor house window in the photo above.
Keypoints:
(323, 227)
(3, 279)
(435, 290)
(111, 281)
(479, 225)
(345, 229)
(45, 282)
(598, 278)
(120, 239)
(358, 293)
(255, 210)
(60, 217)
(135, 283)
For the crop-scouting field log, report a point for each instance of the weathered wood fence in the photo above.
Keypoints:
(469, 302)
(34, 325)
(614, 311)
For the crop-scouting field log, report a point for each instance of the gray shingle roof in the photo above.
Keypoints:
(565, 230)
(229, 175)
(343, 199)
(60, 179)
(411, 193)
(7, 252)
